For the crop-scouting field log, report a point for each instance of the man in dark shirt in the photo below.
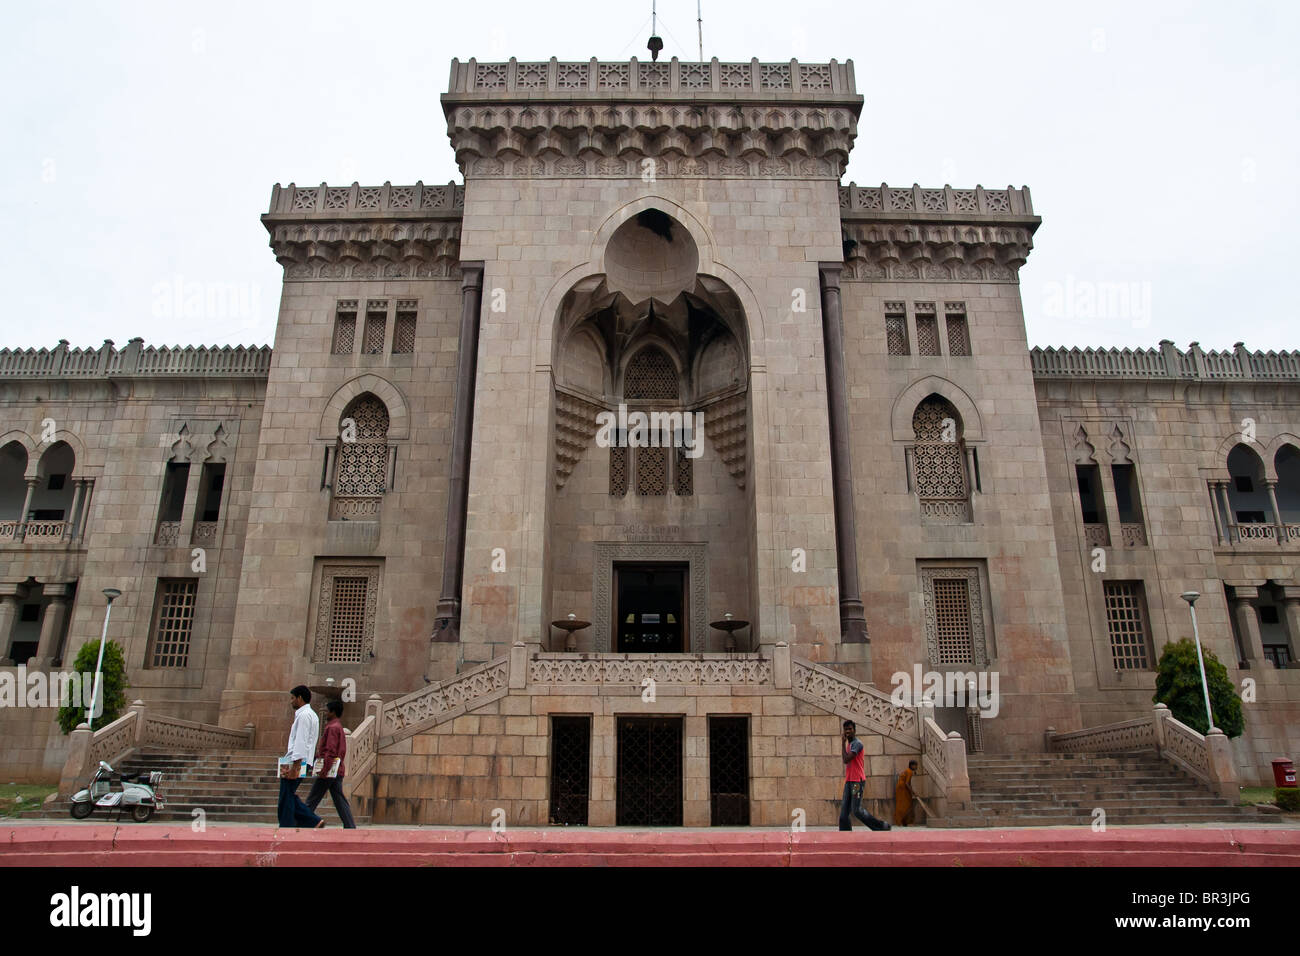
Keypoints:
(334, 746)
(855, 777)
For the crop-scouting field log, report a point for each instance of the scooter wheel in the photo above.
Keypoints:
(141, 813)
(82, 810)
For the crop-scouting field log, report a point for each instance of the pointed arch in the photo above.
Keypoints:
(399, 418)
(972, 427)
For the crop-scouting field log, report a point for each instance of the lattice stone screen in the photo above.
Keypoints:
(954, 616)
(939, 463)
(173, 622)
(652, 471)
(896, 334)
(1126, 622)
(404, 329)
(618, 470)
(927, 334)
(361, 474)
(958, 335)
(345, 613)
(683, 473)
(650, 375)
(345, 328)
(376, 320)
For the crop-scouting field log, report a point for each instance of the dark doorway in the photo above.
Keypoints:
(729, 771)
(649, 772)
(570, 770)
(650, 613)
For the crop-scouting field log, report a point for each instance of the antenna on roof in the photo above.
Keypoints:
(699, 23)
(656, 44)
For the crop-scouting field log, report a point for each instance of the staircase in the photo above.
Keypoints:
(238, 787)
(1037, 790)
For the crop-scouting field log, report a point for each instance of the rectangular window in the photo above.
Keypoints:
(729, 771)
(1126, 621)
(927, 334)
(173, 622)
(376, 324)
(347, 606)
(1090, 494)
(345, 328)
(211, 483)
(404, 328)
(958, 335)
(173, 496)
(1126, 493)
(952, 620)
(954, 601)
(896, 328)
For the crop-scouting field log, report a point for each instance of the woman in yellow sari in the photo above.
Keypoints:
(903, 802)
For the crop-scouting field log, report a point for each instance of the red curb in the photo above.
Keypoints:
(145, 845)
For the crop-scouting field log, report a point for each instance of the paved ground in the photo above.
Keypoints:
(38, 843)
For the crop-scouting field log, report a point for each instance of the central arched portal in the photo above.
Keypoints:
(651, 526)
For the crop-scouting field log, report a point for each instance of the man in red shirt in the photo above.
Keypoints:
(333, 746)
(855, 777)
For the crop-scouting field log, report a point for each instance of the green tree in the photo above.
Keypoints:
(1178, 686)
(113, 686)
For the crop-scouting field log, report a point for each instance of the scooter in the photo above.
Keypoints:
(138, 794)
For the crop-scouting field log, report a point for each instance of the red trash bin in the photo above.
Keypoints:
(1283, 773)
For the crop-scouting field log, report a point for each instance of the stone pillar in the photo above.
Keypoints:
(74, 773)
(853, 624)
(1221, 492)
(190, 508)
(1277, 513)
(56, 612)
(27, 504)
(518, 665)
(958, 795)
(1223, 774)
(781, 668)
(447, 626)
(1113, 524)
(141, 711)
(1211, 487)
(1252, 645)
(1158, 719)
(85, 510)
(375, 708)
(1291, 609)
(69, 528)
(8, 614)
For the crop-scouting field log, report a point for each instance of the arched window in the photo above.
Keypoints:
(1250, 512)
(362, 470)
(939, 463)
(651, 375)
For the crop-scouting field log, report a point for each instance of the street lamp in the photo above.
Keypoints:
(1190, 597)
(111, 594)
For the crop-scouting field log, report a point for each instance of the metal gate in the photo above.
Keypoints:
(729, 771)
(649, 772)
(570, 770)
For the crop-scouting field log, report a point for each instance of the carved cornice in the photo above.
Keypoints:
(339, 249)
(684, 139)
(936, 251)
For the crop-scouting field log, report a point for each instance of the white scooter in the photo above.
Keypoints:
(138, 794)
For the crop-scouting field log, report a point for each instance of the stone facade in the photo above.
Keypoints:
(414, 483)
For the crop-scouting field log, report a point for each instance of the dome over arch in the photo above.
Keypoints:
(652, 255)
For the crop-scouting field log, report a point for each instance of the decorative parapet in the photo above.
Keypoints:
(442, 701)
(913, 233)
(366, 232)
(555, 668)
(240, 361)
(861, 703)
(655, 79)
(1125, 736)
(173, 733)
(592, 119)
(362, 753)
(1166, 362)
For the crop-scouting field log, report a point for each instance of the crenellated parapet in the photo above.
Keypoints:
(944, 234)
(136, 360)
(1166, 362)
(366, 232)
(592, 119)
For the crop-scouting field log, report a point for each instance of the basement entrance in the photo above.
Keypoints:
(649, 772)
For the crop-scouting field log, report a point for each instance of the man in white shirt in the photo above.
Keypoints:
(302, 751)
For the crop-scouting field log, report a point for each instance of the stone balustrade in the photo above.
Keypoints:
(241, 361)
(1166, 362)
(918, 203)
(366, 202)
(1208, 757)
(866, 706)
(736, 81)
(363, 749)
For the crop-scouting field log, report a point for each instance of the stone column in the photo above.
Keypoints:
(1111, 504)
(190, 508)
(21, 534)
(1277, 512)
(70, 527)
(1291, 608)
(447, 626)
(1221, 493)
(8, 614)
(56, 612)
(853, 624)
(85, 510)
(1223, 771)
(1211, 487)
(1252, 645)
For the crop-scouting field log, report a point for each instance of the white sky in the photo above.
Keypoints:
(139, 142)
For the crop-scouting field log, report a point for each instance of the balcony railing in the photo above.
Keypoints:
(1133, 535)
(354, 509)
(1097, 535)
(169, 534)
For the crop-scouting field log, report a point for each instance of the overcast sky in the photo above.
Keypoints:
(139, 142)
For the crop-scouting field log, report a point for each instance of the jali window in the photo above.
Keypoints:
(361, 474)
(939, 463)
(345, 614)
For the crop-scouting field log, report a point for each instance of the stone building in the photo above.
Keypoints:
(446, 452)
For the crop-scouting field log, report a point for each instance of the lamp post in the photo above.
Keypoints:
(1190, 597)
(111, 594)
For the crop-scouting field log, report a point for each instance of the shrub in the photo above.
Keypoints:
(1178, 686)
(113, 686)
(1287, 798)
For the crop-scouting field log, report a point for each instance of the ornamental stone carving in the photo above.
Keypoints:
(868, 707)
(432, 705)
(943, 251)
(633, 669)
